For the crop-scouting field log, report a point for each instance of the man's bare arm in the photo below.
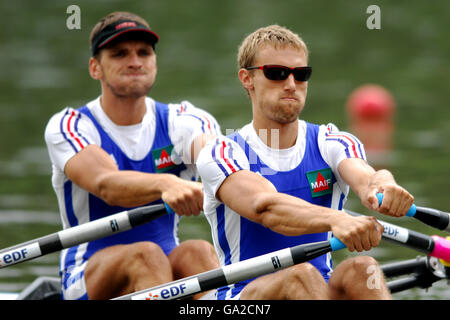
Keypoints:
(366, 182)
(256, 199)
(95, 171)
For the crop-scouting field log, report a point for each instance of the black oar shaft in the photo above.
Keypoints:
(432, 217)
(401, 268)
(414, 240)
(404, 284)
(143, 215)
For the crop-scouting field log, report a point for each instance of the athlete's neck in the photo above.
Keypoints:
(123, 111)
(276, 135)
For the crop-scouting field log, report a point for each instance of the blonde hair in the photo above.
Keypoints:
(274, 35)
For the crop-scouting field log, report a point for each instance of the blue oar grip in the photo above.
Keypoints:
(411, 212)
(169, 209)
(336, 244)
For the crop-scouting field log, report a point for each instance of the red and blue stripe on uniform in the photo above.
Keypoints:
(70, 132)
(222, 154)
(352, 145)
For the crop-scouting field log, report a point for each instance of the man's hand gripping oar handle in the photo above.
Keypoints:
(434, 246)
(432, 217)
(440, 246)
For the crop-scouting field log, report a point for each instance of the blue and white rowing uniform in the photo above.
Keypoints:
(160, 143)
(307, 170)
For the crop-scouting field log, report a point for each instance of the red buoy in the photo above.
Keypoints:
(371, 110)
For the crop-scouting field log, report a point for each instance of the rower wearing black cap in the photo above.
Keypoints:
(124, 150)
(120, 30)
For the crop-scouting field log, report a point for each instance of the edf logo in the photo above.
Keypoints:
(167, 293)
(391, 232)
(14, 256)
(173, 291)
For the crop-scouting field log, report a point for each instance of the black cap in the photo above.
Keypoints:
(116, 30)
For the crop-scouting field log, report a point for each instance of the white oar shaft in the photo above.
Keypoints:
(235, 272)
(90, 231)
(222, 276)
(24, 253)
(259, 265)
(97, 229)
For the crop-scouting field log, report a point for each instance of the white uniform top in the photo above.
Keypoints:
(69, 132)
(334, 146)
(234, 237)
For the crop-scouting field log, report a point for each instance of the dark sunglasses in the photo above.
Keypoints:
(275, 72)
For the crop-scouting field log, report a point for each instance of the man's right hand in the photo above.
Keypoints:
(358, 233)
(184, 197)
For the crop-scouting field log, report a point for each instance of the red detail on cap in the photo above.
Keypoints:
(124, 31)
(126, 25)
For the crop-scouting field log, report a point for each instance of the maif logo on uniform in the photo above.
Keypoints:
(320, 182)
(162, 159)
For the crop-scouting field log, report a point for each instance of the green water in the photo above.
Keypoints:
(43, 67)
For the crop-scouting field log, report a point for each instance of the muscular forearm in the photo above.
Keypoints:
(366, 183)
(256, 199)
(93, 170)
(356, 173)
(131, 188)
(293, 216)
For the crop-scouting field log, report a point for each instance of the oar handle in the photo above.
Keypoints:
(411, 212)
(432, 217)
(336, 244)
(169, 209)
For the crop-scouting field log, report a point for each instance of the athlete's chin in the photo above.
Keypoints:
(288, 114)
(134, 91)
(287, 119)
(139, 92)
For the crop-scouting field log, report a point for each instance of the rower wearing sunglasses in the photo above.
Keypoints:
(280, 181)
